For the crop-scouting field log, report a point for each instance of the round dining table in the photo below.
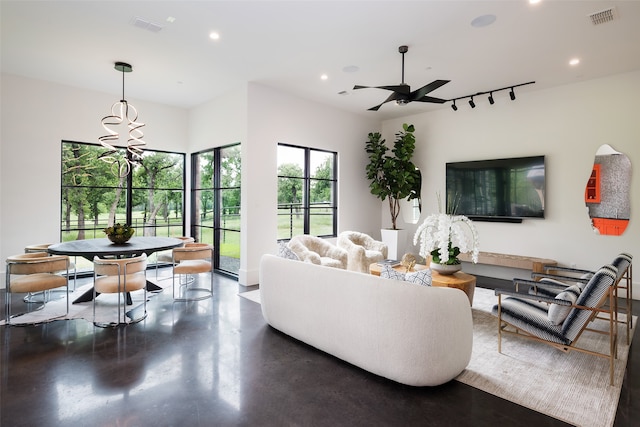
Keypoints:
(103, 248)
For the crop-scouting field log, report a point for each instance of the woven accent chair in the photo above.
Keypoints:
(193, 258)
(362, 250)
(35, 272)
(318, 251)
(120, 276)
(555, 279)
(536, 317)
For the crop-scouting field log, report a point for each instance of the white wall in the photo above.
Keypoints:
(566, 124)
(275, 117)
(36, 116)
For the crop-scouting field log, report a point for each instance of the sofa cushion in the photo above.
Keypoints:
(285, 252)
(420, 277)
(389, 273)
(557, 313)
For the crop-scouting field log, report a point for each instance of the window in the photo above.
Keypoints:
(215, 198)
(306, 192)
(151, 198)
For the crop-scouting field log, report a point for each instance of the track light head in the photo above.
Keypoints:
(512, 95)
(473, 104)
(454, 107)
(491, 100)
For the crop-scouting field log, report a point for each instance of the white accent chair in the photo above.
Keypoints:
(318, 251)
(362, 250)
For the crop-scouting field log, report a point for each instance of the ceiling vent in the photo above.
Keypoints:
(146, 25)
(603, 16)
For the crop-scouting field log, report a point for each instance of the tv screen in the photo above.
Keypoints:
(497, 189)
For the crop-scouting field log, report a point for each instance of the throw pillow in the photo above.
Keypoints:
(421, 277)
(389, 273)
(285, 252)
(557, 313)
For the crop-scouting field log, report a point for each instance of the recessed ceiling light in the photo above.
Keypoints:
(483, 21)
(534, 1)
(324, 77)
(171, 19)
(214, 36)
(351, 69)
(574, 61)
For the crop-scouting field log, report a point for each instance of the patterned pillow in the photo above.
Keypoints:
(420, 277)
(557, 313)
(285, 252)
(389, 273)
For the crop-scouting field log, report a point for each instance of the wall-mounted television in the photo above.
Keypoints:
(505, 190)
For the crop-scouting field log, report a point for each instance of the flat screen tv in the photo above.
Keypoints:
(505, 190)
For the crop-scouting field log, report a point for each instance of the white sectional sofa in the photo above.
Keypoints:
(412, 334)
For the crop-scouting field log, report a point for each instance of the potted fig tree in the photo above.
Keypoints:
(393, 176)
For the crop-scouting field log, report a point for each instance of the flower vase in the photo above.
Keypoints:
(445, 269)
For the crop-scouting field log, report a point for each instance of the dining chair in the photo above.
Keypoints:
(42, 247)
(167, 256)
(120, 276)
(35, 272)
(193, 258)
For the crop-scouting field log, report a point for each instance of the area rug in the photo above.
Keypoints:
(106, 308)
(251, 295)
(573, 387)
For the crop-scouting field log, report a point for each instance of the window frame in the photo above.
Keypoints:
(307, 179)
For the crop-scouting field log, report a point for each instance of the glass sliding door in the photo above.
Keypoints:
(216, 204)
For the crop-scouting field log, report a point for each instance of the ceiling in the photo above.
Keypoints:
(288, 45)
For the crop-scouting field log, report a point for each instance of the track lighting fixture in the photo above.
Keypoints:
(491, 99)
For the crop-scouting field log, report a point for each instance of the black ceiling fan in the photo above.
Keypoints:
(402, 93)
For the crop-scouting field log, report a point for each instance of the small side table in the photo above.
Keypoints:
(463, 281)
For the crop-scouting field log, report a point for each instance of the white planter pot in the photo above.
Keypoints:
(396, 241)
(445, 269)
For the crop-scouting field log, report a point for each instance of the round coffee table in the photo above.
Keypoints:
(463, 281)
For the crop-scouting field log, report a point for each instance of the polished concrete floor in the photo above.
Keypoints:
(216, 363)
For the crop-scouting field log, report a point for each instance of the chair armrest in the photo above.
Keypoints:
(559, 277)
(567, 269)
(508, 292)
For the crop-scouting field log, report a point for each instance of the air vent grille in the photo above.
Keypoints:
(603, 16)
(146, 25)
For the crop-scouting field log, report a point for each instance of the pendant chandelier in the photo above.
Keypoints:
(122, 112)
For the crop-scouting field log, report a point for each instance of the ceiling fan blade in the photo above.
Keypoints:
(430, 99)
(403, 89)
(391, 97)
(419, 93)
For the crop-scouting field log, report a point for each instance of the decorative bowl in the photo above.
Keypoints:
(119, 234)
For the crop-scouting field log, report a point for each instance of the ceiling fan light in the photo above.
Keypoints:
(402, 102)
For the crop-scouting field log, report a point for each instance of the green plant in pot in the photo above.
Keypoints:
(393, 177)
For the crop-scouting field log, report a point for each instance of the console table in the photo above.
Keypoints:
(536, 265)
